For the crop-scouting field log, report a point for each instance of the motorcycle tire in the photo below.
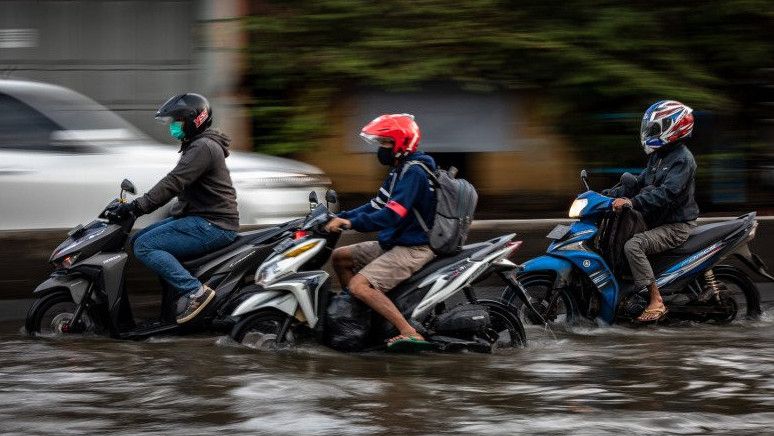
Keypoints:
(503, 317)
(731, 275)
(563, 309)
(264, 330)
(49, 314)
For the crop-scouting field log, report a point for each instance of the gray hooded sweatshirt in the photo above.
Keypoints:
(201, 181)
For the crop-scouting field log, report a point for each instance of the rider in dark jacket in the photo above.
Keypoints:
(665, 188)
(664, 194)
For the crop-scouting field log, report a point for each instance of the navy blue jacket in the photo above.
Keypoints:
(390, 212)
(665, 188)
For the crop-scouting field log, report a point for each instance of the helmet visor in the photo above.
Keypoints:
(653, 129)
(379, 141)
(650, 130)
(165, 119)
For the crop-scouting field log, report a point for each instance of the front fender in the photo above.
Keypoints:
(282, 301)
(297, 290)
(561, 268)
(77, 287)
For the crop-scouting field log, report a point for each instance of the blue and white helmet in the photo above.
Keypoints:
(665, 122)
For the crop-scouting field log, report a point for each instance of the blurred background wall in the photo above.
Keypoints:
(517, 94)
(131, 55)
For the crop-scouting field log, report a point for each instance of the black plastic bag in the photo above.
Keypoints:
(347, 324)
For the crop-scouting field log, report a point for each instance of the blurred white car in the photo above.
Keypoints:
(63, 156)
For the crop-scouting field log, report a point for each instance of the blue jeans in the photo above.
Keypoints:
(160, 245)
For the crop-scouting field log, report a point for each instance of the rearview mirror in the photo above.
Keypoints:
(585, 179)
(331, 197)
(128, 186)
(313, 199)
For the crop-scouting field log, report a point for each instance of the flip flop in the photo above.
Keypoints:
(409, 345)
(661, 314)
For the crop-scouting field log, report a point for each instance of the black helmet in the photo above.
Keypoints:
(193, 110)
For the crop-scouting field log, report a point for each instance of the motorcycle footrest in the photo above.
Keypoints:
(451, 344)
(151, 329)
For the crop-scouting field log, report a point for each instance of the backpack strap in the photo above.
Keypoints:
(420, 220)
(433, 182)
(430, 174)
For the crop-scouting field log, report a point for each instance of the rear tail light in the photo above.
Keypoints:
(514, 246)
(300, 234)
(752, 232)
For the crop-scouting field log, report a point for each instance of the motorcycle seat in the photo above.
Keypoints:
(703, 236)
(241, 240)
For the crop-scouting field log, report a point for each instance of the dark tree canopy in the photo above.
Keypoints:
(584, 58)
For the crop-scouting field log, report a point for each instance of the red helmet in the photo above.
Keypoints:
(398, 130)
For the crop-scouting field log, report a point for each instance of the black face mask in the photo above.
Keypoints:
(385, 156)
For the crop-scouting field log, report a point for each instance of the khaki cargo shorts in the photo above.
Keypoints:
(387, 269)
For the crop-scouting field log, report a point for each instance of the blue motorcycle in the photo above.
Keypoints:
(574, 279)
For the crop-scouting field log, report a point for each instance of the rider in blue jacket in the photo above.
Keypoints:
(371, 269)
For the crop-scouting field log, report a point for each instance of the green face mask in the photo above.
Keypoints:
(176, 130)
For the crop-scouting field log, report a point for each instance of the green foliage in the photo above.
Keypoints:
(585, 57)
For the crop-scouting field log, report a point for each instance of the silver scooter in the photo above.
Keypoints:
(291, 294)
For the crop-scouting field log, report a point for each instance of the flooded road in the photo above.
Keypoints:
(686, 380)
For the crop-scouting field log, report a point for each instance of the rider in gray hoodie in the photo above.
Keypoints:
(205, 217)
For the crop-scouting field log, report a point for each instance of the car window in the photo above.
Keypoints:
(83, 116)
(22, 126)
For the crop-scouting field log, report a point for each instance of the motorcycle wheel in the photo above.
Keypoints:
(560, 309)
(507, 331)
(264, 330)
(50, 316)
(742, 290)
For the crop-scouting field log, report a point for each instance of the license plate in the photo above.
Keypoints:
(558, 232)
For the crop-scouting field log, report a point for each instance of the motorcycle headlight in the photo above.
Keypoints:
(67, 261)
(285, 263)
(268, 272)
(577, 207)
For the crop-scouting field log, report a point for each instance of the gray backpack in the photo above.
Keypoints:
(456, 203)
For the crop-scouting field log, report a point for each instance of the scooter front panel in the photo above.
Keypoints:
(112, 265)
(579, 231)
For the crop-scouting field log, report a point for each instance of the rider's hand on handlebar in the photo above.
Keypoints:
(620, 203)
(338, 224)
(123, 210)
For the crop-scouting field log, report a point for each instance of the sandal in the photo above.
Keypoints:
(647, 315)
(408, 344)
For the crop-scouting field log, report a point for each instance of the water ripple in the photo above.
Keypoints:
(677, 380)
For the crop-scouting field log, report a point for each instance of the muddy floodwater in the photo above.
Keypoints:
(677, 380)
